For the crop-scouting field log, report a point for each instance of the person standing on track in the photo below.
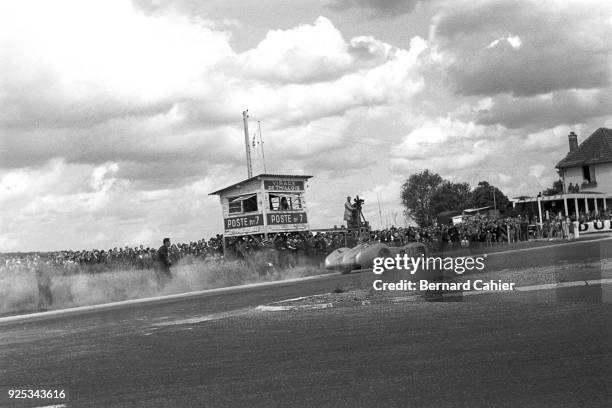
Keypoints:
(164, 263)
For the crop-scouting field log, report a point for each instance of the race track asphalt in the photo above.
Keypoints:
(531, 349)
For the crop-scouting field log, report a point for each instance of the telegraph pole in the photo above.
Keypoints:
(245, 120)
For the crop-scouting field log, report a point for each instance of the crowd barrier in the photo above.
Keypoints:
(593, 227)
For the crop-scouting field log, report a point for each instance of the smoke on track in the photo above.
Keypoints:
(20, 291)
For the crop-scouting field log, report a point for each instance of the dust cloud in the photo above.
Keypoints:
(22, 292)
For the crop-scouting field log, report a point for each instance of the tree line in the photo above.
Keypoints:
(426, 194)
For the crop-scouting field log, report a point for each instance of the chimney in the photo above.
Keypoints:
(573, 141)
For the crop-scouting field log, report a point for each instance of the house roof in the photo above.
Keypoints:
(595, 149)
(262, 176)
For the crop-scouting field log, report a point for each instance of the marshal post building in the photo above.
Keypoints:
(264, 204)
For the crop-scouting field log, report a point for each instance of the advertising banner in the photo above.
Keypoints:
(287, 218)
(284, 185)
(244, 221)
(595, 226)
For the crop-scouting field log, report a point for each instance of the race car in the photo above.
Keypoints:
(362, 256)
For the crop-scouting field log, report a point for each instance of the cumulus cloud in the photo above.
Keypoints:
(456, 150)
(158, 89)
(116, 137)
(131, 128)
(549, 49)
(52, 77)
(547, 110)
(80, 206)
(308, 53)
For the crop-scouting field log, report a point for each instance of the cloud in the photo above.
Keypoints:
(157, 90)
(381, 8)
(54, 78)
(308, 53)
(129, 129)
(548, 110)
(514, 41)
(117, 136)
(553, 46)
(76, 205)
(537, 170)
(448, 147)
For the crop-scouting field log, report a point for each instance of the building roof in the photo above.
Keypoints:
(475, 210)
(569, 196)
(262, 176)
(595, 149)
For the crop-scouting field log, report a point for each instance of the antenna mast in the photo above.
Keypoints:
(263, 156)
(379, 210)
(245, 120)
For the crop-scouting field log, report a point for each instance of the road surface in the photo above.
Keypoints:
(544, 348)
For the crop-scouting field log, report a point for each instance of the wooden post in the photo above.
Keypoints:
(540, 209)
(576, 207)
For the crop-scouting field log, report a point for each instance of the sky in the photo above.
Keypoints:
(118, 117)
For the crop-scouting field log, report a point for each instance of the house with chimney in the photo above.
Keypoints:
(586, 173)
(588, 165)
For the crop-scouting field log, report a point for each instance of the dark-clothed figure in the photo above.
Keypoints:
(45, 298)
(164, 263)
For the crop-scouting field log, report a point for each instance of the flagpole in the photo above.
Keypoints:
(245, 121)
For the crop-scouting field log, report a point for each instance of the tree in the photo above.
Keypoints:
(482, 196)
(417, 193)
(557, 188)
(451, 196)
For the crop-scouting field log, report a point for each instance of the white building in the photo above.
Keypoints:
(588, 165)
(586, 172)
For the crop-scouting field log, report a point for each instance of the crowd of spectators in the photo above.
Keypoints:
(595, 215)
(290, 249)
(139, 257)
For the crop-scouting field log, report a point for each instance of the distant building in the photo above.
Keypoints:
(264, 204)
(586, 172)
(588, 165)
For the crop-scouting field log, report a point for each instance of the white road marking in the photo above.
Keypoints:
(268, 308)
(545, 286)
(206, 318)
(63, 312)
(292, 299)
(265, 308)
(53, 406)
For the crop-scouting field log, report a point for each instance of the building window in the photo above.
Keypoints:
(243, 204)
(235, 207)
(586, 174)
(285, 202)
